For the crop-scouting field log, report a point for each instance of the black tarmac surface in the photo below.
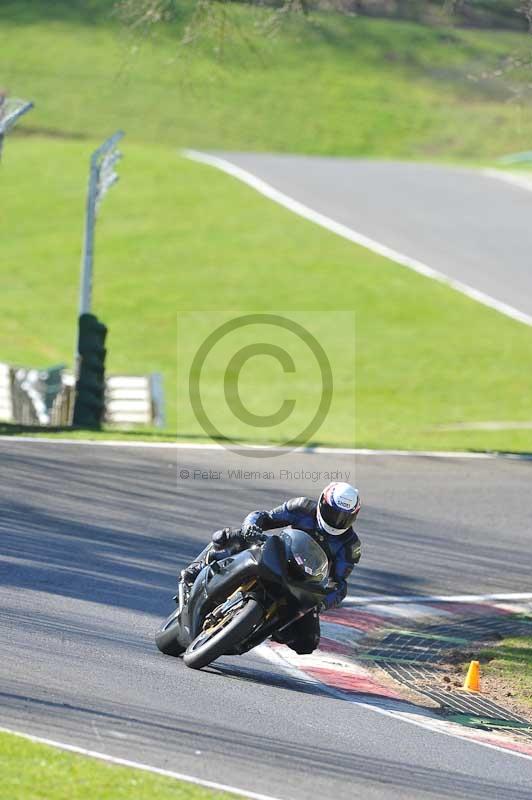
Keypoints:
(90, 540)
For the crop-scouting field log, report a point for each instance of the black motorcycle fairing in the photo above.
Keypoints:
(218, 580)
(215, 583)
(271, 560)
(273, 574)
(307, 598)
(270, 581)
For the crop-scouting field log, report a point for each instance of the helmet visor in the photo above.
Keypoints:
(337, 518)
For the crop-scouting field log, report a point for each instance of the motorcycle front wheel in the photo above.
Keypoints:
(222, 638)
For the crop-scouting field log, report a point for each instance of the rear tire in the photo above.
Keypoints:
(199, 654)
(166, 637)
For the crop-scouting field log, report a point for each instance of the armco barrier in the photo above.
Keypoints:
(134, 400)
(6, 399)
(46, 397)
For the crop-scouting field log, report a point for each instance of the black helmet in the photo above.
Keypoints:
(338, 508)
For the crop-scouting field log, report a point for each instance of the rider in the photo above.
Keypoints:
(329, 521)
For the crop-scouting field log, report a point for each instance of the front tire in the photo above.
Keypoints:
(207, 647)
(166, 637)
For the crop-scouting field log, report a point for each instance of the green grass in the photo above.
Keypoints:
(511, 661)
(177, 237)
(332, 84)
(39, 772)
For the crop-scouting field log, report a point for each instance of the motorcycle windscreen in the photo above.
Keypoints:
(306, 559)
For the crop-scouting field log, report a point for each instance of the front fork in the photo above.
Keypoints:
(234, 599)
(180, 597)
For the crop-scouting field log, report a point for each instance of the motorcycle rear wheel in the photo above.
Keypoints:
(166, 637)
(209, 646)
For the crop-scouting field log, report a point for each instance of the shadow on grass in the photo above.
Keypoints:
(108, 432)
(514, 657)
(14, 429)
(85, 12)
(90, 13)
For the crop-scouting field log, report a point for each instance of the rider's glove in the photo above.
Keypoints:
(220, 539)
(252, 533)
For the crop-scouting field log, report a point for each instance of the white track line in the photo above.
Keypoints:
(124, 762)
(354, 236)
(338, 451)
(434, 725)
(437, 598)
(521, 181)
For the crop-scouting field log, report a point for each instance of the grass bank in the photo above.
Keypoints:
(40, 772)
(328, 84)
(177, 237)
(509, 665)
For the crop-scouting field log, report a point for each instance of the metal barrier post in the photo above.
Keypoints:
(90, 351)
(102, 176)
(11, 110)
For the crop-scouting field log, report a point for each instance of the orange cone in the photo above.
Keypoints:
(472, 681)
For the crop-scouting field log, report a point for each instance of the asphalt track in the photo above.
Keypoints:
(470, 226)
(90, 539)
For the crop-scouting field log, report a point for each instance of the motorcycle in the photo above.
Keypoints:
(242, 599)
